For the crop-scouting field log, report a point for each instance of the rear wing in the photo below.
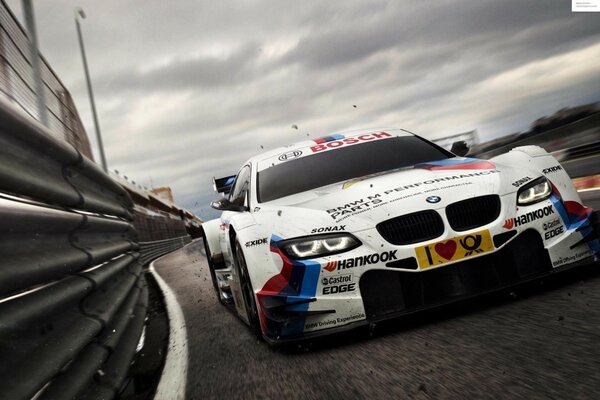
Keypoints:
(223, 185)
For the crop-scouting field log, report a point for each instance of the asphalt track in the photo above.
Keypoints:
(540, 341)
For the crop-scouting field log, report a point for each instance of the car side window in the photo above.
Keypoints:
(240, 187)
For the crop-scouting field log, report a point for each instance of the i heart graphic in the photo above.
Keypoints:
(446, 249)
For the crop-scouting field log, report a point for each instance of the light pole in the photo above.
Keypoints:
(35, 60)
(79, 13)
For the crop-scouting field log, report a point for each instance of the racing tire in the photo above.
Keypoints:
(595, 220)
(247, 292)
(211, 268)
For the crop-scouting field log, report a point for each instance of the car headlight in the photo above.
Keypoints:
(536, 191)
(318, 245)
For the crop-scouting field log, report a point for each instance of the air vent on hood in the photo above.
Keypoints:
(472, 213)
(412, 228)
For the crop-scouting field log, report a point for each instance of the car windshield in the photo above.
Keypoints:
(342, 164)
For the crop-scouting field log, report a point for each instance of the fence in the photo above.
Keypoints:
(152, 228)
(151, 250)
(72, 294)
(17, 84)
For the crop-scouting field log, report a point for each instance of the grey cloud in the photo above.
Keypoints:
(447, 24)
(188, 89)
(184, 73)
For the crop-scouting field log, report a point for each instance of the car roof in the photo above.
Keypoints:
(324, 143)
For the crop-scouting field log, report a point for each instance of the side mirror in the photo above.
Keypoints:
(460, 148)
(223, 204)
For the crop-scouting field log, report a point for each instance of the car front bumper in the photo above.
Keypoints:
(388, 294)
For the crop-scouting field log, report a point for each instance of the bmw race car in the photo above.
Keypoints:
(350, 229)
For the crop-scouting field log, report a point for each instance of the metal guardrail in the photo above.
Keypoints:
(72, 293)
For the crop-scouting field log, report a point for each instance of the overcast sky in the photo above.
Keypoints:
(188, 90)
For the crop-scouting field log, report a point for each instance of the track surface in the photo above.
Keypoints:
(537, 342)
(583, 166)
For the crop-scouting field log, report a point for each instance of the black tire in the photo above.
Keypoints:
(247, 292)
(595, 220)
(211, 268)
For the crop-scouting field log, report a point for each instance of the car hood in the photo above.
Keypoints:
(363, 202)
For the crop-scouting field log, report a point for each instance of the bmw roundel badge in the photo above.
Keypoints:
(433, 199)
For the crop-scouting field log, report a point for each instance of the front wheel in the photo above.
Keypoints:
(247, 292)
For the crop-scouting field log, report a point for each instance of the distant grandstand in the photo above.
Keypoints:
(156, 215)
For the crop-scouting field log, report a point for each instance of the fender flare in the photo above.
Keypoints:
(211, 234)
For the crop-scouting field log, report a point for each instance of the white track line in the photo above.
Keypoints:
(174, 374)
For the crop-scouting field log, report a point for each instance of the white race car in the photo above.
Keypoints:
(353, 228)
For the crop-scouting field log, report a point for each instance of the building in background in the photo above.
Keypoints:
(157, 217)
(164, 193)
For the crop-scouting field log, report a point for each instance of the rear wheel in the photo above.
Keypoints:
(247, 292)
(211, 268)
